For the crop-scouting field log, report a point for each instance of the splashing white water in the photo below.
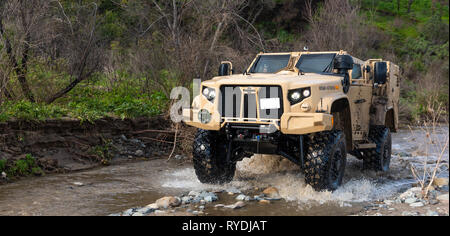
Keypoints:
(265, 170)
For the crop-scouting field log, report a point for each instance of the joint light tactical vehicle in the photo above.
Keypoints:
(309, 107)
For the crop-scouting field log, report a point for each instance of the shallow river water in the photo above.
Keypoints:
(114, 189)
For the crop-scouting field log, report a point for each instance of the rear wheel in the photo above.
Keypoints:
(325, 160)
(209, 157)
(378, 158)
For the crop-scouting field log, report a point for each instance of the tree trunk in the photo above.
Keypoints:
(22, 69)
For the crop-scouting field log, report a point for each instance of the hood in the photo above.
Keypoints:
(307, 79)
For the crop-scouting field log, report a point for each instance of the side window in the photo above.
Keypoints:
(356, 72)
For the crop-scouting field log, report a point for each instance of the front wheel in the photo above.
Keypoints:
(325, 160)
(209, 157)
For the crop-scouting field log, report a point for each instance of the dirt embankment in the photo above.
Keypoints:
(70, 145)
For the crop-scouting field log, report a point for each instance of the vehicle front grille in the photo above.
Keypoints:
(234, 100)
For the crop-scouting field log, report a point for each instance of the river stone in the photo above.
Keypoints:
(167, 202)
(432, 213)
(146, 210)
(241, 197)
(186, 200)
(193, 193)
(416, 204)
(439, 182)
(411, 200)
(233, 190)
(138, 214)
(409, 213)
(237, 205)
(128, 212)
(208, 196)
(443, 198)
(264, 201)
(139, 153)
(271, 192)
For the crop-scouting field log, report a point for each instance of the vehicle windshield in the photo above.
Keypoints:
(316, 63)
(270, 63)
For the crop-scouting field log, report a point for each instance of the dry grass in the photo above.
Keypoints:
(434, 144)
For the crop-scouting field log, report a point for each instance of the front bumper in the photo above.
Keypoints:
(290, 123)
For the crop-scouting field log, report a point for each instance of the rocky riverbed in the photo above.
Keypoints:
(263, 185)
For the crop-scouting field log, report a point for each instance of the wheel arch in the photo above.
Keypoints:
(389, 120)
(341, 106)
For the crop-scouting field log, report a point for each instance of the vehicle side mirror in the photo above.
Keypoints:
(380, 72)
(225, 68)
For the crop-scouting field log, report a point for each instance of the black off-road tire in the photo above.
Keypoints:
(209, 157)
(379, 158)
(325, 160)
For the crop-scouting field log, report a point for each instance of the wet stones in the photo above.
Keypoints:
(271, 192)
(167, 202)
(236, 205)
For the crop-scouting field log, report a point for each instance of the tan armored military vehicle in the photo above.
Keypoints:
(309, 107)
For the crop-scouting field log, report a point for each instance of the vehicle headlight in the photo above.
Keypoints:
(209, 93)
(297, 95)
(306, 93)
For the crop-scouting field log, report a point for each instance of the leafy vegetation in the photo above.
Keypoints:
(22, 167)
(92, 59)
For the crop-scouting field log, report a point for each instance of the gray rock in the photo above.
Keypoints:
(201, 207)
(247, 198)
(139, 153)
(432, 213)
(411, 200)
(258, 197)
(128, 212)
(196, 199)
(409, 213)
(193, 193)
(241, 197)
(416, 204)
(123, 137)
(138, 214)
(146, 210)
(208, 196)
(186, 200)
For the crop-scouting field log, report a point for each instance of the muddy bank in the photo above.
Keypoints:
(70, 145)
